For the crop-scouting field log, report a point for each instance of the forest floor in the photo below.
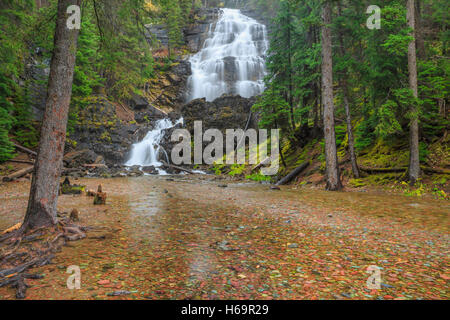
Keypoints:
(188, 238)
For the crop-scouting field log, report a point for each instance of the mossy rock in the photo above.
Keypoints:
(72, 189)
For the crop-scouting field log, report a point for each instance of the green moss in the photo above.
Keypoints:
(386, 155)
(105, 136)
(258, 177)
(356, 183)
(383, 179)
(74, 189)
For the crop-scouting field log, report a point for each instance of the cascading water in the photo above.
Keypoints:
(231, 60)
(145, 153)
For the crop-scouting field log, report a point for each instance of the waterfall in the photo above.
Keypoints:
(145, 153)
(232, 59)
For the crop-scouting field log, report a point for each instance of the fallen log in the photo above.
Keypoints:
(262, 163)
(384, 170)
(435, 170)
(25, 149)
(95, 165)
(165, 164)
(22, 161)
(291, 176)
(18, 174)
(404, 169)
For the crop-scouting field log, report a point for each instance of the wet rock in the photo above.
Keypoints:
(226, 112)
(102, 133)
(223, 245)
(149, 170)
(77, 159)
(158, 31)
(118, 293)
(138, 102)
(196, 33)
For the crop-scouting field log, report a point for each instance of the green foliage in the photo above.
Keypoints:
(258, 177)
(237, 170)
(6, 120)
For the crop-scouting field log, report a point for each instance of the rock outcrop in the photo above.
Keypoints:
(100, 131)
(226, 112)
(168, 91)
(196, 33)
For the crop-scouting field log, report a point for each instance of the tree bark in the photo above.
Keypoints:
(333, 177)
(414, 162)
(41, 211)
(291, 94)
(348, 117)
(419, 31)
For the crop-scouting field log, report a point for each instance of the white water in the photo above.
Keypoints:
(231, 60)
(145, 153)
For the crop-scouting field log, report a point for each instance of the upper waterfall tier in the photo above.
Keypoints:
(231, 60)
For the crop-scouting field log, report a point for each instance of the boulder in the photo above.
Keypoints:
(226, 112)
(138, 102)
(76, 159)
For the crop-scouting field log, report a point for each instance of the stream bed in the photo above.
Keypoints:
(188, 238)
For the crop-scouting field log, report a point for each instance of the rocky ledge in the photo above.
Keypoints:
(226, 112)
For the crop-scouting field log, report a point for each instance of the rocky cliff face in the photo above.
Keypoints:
(226, 112)
(194, 34)
(197, 32)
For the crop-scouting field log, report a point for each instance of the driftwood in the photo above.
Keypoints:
(18, 174)
(165, 164)
(25, 149)
(291, 176)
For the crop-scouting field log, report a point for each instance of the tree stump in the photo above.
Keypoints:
(100, 197)
(74, 215)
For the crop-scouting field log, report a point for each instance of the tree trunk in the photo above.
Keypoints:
(414, 162)
(419, 31)
(348, 117)
(351, 140)
(41, 211)
(291, 94)
(333, 178)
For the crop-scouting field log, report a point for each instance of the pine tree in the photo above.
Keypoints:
(41, 211)
(333, 176)
(414, 161)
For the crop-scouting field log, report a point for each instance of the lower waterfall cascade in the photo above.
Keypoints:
(145, 153)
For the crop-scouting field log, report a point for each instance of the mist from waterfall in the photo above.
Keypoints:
(232, 59)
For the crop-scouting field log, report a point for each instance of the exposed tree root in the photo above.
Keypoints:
(20, 252)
